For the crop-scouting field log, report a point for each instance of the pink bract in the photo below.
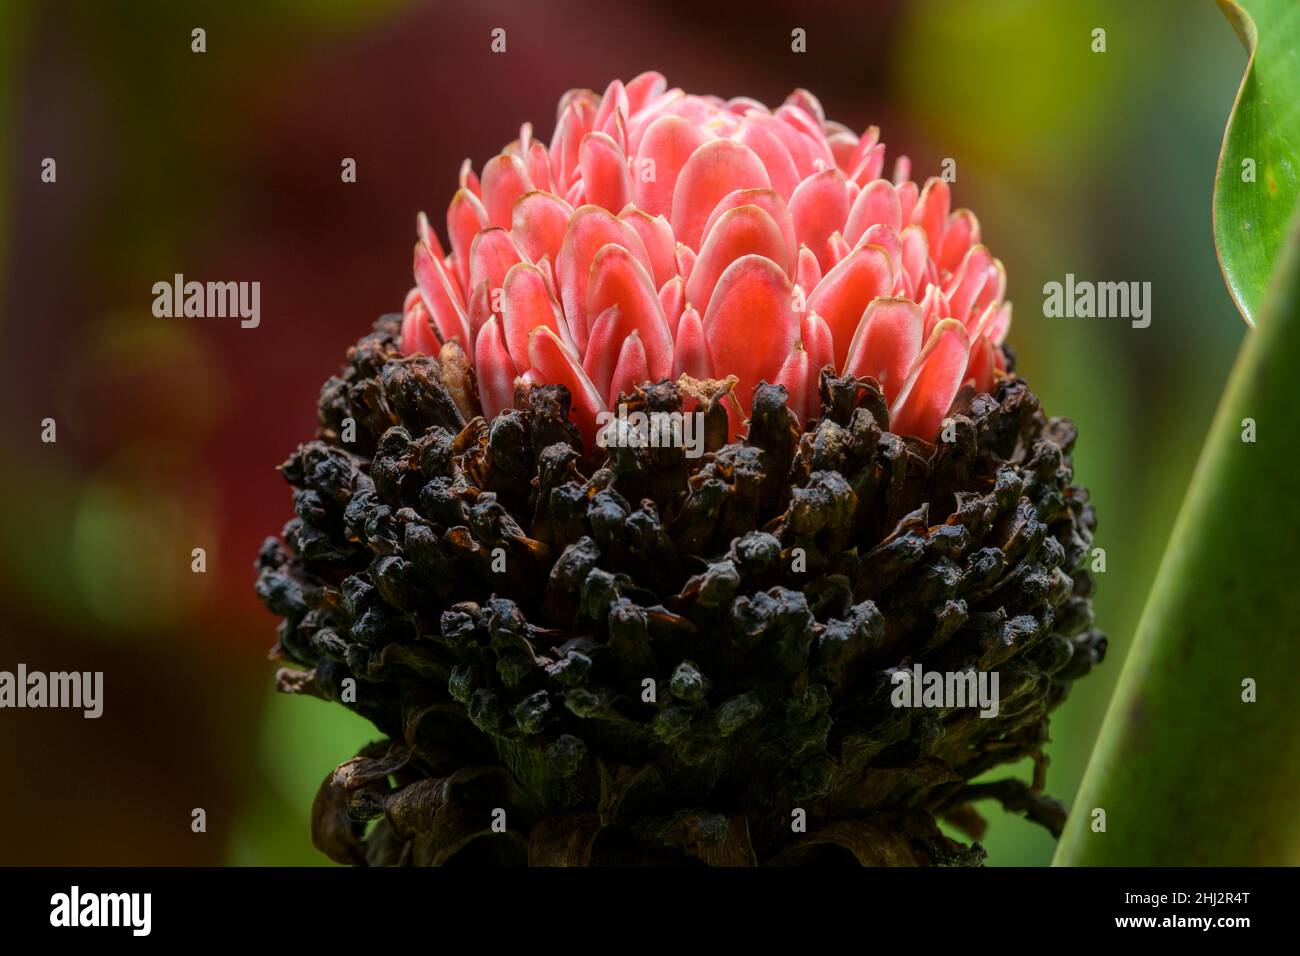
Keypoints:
(663, 233)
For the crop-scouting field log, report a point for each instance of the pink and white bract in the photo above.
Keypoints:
(663, 233)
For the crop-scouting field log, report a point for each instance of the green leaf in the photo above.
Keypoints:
(1187, 771)
(1198, 760)
(1258, 180)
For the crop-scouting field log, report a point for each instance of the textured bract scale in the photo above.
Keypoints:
(664, 659)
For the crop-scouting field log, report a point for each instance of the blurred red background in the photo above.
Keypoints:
(225, 165)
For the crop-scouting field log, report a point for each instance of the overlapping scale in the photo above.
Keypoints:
(663, 233)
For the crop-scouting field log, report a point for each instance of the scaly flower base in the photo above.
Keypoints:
(668, 660)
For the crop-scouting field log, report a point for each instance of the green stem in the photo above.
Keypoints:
(1186, 771)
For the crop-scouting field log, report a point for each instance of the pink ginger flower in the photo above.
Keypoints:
(664, 234)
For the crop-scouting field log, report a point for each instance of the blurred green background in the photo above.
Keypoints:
(225, 165)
